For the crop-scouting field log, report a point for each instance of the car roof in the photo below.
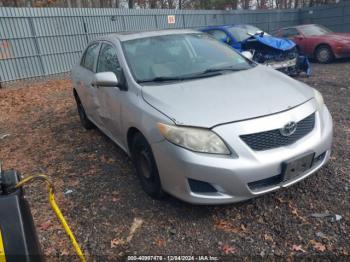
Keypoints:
(125, 36)
(226, 26)
(297, 26)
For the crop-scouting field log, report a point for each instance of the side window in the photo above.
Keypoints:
(218, 34)
(90, 56)
(289, 32)
(108, 60)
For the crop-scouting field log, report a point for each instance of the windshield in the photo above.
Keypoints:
(310, 30)
(180, 56)
(242, 32)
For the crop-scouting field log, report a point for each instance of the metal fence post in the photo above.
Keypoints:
(156, 21)
(85, 30)
(343, 3)
(36, 45)
(124, 23)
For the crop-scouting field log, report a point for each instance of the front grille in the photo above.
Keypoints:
(273, 138)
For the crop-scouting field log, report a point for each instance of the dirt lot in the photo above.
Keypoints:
(105, 199)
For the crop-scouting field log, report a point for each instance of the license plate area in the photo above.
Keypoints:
(294, 167)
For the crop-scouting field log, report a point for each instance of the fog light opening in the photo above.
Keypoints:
(201, 186)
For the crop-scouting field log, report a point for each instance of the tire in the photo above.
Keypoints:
(85, 121)
(324, 54)
(146, 168)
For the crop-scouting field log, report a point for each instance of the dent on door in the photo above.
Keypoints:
(91, 102)
(109, 110)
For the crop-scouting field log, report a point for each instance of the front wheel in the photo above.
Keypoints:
(146, 167)
(324, 54)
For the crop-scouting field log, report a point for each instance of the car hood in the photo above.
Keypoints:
(227, 98)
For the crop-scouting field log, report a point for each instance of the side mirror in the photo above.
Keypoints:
(247, 54)
(299, 37)
(107, 79)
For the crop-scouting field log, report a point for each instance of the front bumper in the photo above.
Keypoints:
(292, 67)
(282, 64)
(232, 176)
(342, 52)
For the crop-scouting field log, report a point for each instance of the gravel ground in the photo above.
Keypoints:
(105, 199)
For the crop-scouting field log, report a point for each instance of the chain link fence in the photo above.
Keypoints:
(37, 42)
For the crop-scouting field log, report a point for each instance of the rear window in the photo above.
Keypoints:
(310, 30)
(240, 33)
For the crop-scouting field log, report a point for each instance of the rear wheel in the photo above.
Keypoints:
(86, 123)
(324, 54)
(146, 167)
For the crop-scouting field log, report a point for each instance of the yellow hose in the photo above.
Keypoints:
(57, 211)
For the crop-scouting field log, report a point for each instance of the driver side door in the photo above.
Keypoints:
(109, 98)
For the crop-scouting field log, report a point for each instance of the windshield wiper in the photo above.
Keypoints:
(181, 78)
(220, 69)
(161, 79)
(206, 73)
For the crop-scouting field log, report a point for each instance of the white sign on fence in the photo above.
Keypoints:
(171, 19)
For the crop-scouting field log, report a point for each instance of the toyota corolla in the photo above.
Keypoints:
(200, 121)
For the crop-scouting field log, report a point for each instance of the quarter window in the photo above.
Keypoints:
(108, 60)
(89, 58)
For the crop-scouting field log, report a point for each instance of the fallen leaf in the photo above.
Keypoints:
(228, 249)
(228, 227)
(318, 246)
(64, 253)
(268, 237)
(296, 213)
(160, 242)
(298, 248)
(45, 225)
(114, 199)
(48, 251)
(117, 242)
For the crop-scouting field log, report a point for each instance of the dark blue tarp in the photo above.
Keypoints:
(274, 42)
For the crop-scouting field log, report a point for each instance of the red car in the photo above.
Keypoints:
(318, 42)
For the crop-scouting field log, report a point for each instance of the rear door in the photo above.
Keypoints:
(83, 77)
(110, 98)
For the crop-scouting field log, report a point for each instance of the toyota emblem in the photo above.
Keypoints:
(289, 129)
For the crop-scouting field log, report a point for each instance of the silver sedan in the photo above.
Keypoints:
(200, 121)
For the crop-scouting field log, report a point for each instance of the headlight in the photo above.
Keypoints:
(195, 139)
(319, 99)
